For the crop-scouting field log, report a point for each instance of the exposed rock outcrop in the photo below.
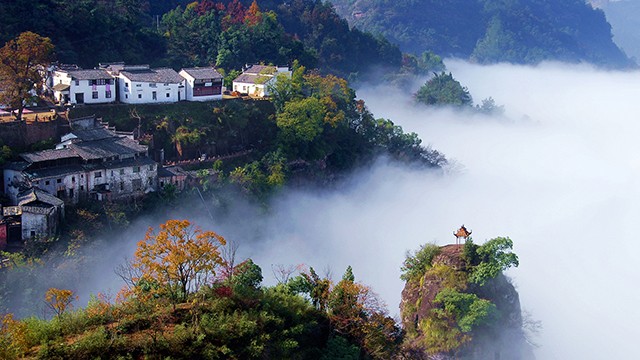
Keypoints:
(500, 336)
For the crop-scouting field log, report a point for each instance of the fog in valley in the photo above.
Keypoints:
(558, 173)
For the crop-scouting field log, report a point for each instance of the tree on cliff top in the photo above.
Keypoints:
(22, 62)
(491, 258)
(443, 89)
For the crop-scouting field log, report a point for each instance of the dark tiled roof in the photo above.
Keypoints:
(261, 69)
(140, 161)
(54, 171)
(17, 165)
(93, 134)
(92, 74)
(44, 155)
(105, 148)
(203, 73)
(171, 171)
(163, 75)
(252, 79)
(36, 195)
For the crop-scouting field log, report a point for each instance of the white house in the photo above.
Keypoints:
(139, 84)
(41, 214)
(89, 163)
(256, 79)
(202, 84)
(95, 86)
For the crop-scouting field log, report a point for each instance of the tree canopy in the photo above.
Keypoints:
(443, 89)
(23, 61)
(179, 259)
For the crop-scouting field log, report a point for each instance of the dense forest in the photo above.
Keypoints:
(223, 34)
(491, 31)
(187, 295)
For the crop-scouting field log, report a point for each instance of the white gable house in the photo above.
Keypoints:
(95, 86)
(202, 84)
(138, 84)
(256, 79)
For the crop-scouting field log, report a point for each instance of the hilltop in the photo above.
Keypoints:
(457, 304)
(489, 31)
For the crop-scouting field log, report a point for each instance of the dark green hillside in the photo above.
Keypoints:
(176, 33)
(490, 31)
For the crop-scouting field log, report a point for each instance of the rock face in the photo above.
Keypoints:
(500, 338)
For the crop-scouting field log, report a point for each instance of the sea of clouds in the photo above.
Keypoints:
(558, 172)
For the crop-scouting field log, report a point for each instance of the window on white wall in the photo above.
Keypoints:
(94, 94)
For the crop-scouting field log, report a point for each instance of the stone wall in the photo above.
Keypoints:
(20, 134)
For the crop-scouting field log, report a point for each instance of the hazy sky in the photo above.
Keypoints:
(559, 174)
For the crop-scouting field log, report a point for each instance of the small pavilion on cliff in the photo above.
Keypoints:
(461, 235)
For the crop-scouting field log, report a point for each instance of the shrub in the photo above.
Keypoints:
(417, 263)
(468, 310)
(495, 256)
(92, 345)
(42, 331)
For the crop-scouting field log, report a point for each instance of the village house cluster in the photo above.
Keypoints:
(140, 84)
(95, 162)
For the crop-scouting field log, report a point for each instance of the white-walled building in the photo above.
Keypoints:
(95, 86)
(256, 79)
(89, 163)
(41, 214)
(139, 84)
(202, 84)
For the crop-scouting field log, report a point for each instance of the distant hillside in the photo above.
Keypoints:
(624, 16)
(490, 31)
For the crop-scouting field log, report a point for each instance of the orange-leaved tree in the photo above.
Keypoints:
(21, 63)
(357, 313)
(59, 300)
(179, 259)
(14, 339)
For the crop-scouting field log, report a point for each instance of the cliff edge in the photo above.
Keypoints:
(457, 303)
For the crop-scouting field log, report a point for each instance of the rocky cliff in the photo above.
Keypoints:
(447, 316)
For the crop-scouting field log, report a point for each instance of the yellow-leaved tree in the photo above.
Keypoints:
(178, 260)
(59, 300)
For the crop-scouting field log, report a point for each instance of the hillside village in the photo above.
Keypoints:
(93, 161)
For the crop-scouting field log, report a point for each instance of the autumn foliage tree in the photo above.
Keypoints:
(59, 300)
(179, 259)
(13, 338)
(22, 61)
(253, 15)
